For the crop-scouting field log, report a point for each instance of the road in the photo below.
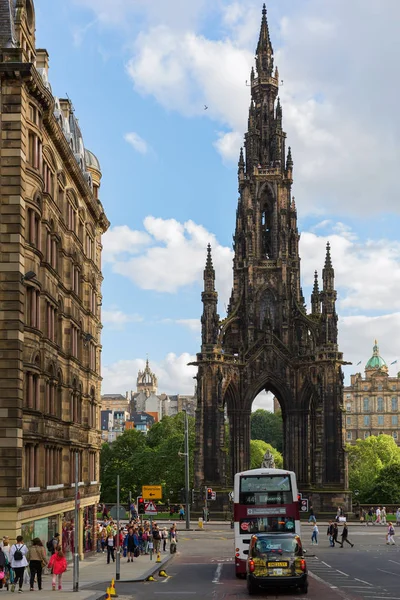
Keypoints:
(203, 568)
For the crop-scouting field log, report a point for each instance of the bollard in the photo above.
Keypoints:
(158, 557)
(201, 523)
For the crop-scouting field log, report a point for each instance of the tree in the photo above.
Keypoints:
(258, 448)
(387, 486)
(366, 460)
(153, 459)
(267, 426)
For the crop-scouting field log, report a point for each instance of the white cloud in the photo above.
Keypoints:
(116, 319)
(121, 240)
(174, 376)
(172, 257)
(138, 143)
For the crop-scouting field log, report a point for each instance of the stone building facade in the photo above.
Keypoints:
(51, 223)
(372, 402)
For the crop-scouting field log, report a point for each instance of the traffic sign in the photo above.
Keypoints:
(304, 505)
(150, 508)
(244, 526)
(152, 492)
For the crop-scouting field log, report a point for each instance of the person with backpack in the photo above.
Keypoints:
(58, 565)
(18, 554)
(156, 539)
(53, 543)
(390, 535)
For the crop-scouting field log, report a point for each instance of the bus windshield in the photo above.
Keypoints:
(265, 489)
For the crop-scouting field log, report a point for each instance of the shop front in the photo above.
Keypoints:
(44, 529)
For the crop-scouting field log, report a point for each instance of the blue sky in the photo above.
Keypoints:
(139, 74)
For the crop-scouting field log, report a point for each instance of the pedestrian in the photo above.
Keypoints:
(329, 533)
(58, 566)
(133, 511)
(156, 539)
(53, 543)
(129, 544)
(378, 516)
(311, 518)
(345, 534)
(314, 535)
(398, 517)
(145, 538)
(5, 546)
(370, 516)
(37, 560)
(390, 535)
(181, 513)
(164, 535)
(103, 539)
(335, 534)
(110, 547)
(383, 515)
(173, 539)
(3, 563)
(18, 554)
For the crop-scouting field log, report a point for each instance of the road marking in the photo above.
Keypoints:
(389, 572)
(324, 563)
(362, 581)
(217, 575)
(394, 561)
(342, 573)
(156, 593)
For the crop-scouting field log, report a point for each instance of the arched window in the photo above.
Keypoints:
(33, 223)
(32, 386)
(268, 228)
(267, 310)
(59, 395)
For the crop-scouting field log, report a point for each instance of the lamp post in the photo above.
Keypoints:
(118, 557)
(187, 490)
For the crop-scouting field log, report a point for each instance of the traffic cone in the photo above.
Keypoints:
(108, 597)
(162, 573)
(158, 557)
(151, 578)
(112, 589)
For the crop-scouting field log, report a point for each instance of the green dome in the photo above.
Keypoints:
(376, 362)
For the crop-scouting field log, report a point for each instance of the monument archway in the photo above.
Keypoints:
(268, 339)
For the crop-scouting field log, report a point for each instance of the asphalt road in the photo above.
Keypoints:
(203, 568)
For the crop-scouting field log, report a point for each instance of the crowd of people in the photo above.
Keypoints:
(134, 539)
(21, 565)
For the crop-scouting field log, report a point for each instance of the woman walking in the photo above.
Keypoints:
(58, 564)
(164, 535)
(314, 535)
(345, 534)
(37, 560)
(18, 554)
(110, 547)
(390, 535)
(129, 544)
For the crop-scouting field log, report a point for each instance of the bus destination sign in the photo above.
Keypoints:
(267, 511)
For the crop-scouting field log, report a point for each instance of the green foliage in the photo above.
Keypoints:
(368, 460)
(258, 449)
(387, 486)
(151, 459)
(267, 426)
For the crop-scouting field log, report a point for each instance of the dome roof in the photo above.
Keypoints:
(91, 160)
(376, 362)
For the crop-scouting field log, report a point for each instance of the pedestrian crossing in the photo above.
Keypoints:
(336, 579)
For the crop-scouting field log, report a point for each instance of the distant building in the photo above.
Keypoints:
(141, 421)
(114, 402)
(372, 403)
(113, 424)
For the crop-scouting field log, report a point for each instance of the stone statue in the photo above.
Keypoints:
(268, 462)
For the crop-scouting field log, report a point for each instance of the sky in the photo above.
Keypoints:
(140, 74)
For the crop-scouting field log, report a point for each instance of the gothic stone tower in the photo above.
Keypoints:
(268, 341)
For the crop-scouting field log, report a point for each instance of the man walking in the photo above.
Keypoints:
(330, 533)
(314, 536)
(345, 534)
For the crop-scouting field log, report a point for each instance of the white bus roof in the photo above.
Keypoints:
(266, 472)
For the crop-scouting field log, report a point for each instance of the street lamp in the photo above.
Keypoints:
(28, 276)
(187, 470)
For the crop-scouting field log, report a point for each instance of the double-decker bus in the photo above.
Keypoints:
(265, 500)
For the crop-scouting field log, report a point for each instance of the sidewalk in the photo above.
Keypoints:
(96, 571)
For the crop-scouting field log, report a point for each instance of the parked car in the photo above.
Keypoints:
(276, 560)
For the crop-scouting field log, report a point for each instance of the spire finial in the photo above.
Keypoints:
(315, 288)
(264, 52)
(209, 263)
(328, 260)
(289, 160)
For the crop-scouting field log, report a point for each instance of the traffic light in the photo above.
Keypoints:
(209, 493)
(299, 498)
(195, 496)
(141, 506)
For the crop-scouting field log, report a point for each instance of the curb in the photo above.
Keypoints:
(144, 576)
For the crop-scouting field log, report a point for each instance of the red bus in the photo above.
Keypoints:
(265, 500)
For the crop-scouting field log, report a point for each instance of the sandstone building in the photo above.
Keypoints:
(372, 402)
(51, 222)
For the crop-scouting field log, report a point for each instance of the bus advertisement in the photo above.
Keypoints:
(265, 500)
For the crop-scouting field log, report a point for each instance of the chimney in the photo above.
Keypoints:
(42, 60)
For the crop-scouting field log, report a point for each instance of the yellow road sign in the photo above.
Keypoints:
(152, 492)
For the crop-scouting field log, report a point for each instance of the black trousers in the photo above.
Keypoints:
(19, 576)
(35, 567)
(110, 552)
